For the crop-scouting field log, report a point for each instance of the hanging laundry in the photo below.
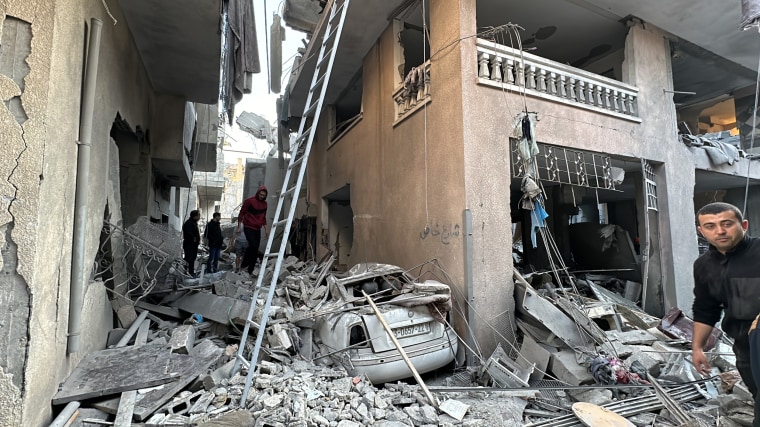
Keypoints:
(537, 220)
(530, 190)
(524, 131)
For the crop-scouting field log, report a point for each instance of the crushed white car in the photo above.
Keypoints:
(418, 313)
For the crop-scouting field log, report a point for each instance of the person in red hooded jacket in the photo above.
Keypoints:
(253, 218)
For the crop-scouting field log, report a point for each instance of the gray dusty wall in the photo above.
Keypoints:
(37, 192)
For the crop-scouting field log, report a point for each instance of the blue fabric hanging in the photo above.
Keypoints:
(538, 219)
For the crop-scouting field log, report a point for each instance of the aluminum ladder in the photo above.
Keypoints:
(291, 188)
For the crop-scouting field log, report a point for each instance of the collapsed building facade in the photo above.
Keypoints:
(418, 157)
(413, 161)
(108, 110)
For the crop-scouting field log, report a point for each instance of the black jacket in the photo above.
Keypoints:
(728, 282)
(213, 233)
(190, 233)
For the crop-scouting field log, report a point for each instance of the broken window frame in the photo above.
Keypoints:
(564, 166)
(339, 127)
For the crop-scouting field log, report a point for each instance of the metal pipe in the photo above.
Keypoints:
(80, 196)
(468, 281)
(66, 414)
(132, 329)
(392, 336)
(647, 239)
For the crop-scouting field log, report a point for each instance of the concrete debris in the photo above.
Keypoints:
(327, 361)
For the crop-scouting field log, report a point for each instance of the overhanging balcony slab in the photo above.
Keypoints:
(364, 24)
(180, 45)
(209, 189)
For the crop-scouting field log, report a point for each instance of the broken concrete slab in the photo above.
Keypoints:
(218, 308)
(637, 337)
(238, 418)
(183, 339)
(595, 396)
(566, 368)
(647, 360)
(544, 313)
(534, 353)
(188, 367)
(112, 371)
(159, 309)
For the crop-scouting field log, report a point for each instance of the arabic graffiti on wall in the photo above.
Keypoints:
(444, 233)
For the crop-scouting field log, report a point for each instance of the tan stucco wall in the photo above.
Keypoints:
(647, 65)
(391, 166)
(467, 160)
(45, 148)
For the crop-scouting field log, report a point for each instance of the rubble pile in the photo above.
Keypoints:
(579, 341)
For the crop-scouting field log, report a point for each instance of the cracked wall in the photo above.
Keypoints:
(15, 295)
(42, 49)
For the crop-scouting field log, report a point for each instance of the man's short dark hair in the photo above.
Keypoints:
(216, 215)
(194, 213)
(719, 207)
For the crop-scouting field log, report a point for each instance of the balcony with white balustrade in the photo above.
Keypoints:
(509, 69)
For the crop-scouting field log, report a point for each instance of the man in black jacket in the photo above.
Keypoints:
(213, 233)
(191, 238)
(727, 279)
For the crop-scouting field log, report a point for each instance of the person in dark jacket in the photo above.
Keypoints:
(191, 238)
(252, 219)
(727, 281)
(213, 233)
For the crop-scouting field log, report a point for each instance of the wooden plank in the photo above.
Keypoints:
(126, 409)
(189, 367)
(430, 397)
(596, 416)
(132, 329)
(160, 309)
(106, 372)
(127, 401)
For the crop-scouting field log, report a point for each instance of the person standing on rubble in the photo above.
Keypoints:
(213, 233)
(240, 244)
(727, 280)
(191, 238)
(253, 219)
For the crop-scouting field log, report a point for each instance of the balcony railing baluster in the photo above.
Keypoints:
(507, 68)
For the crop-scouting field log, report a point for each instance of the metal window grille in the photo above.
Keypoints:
(651, 190)
(564, 166)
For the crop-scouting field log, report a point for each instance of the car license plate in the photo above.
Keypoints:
(412, 330)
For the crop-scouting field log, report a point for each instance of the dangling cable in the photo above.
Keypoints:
(424, 78)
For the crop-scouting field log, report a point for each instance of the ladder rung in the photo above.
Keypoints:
(271, 254)
(336, 10)
(252, 323)
(324, 58)
(312, 108)
(281, 222)
(290, 190)
(296, 162)
(327, 38)
(304, 134)
(319, 81)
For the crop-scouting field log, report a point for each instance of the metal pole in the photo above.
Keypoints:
(66, 414)
(647, 240)
(430, 397)
(80, 196)
(468, 281)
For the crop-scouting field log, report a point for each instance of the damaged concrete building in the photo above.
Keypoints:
(418, 157)
(100, 122)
